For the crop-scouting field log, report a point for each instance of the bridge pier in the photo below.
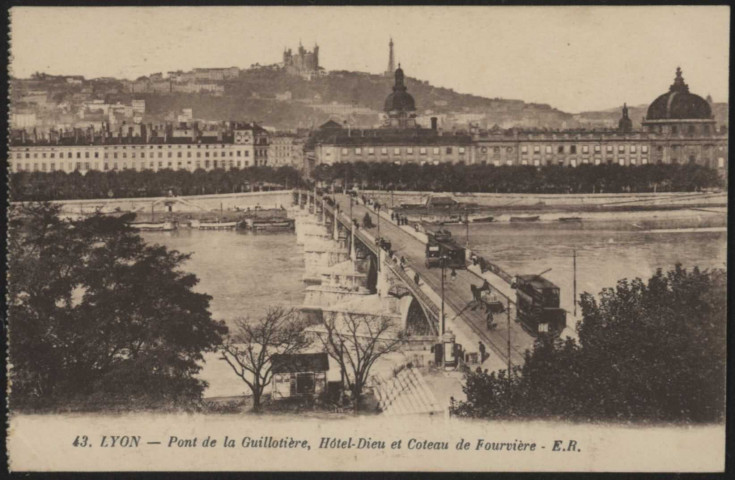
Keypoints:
(322, 253)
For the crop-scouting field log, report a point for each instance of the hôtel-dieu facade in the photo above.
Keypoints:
(678, 128)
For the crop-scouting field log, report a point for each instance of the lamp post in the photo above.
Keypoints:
(510, 381)
(442, 263)
(377, 211)
(574, 299)
(467, 228)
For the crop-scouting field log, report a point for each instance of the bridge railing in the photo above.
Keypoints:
(422, 298)
(368, 240)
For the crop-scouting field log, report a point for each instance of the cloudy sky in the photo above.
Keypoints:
(574, 58)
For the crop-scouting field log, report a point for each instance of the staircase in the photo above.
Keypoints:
(405, 393)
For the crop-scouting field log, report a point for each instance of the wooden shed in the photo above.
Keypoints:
(299, 375)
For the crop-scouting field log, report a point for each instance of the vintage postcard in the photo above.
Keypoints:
(369, 238)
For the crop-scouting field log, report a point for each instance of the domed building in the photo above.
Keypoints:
(679, 111)
(400, 107)
(683, 130)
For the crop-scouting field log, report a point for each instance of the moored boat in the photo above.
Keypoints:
(525, 218)
(273, 224)
(217, 225)
(571, 219)
(483, 219)
(154, 227)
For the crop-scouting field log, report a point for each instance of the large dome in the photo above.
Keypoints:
(679, 104)
(400, 100)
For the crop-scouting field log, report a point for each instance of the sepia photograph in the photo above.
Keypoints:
(367, 238)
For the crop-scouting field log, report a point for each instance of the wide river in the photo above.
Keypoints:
(246, 272)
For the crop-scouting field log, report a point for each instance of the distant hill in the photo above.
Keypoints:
(286, 101)
(274, 98)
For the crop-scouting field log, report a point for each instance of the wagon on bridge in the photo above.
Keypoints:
(493, 303)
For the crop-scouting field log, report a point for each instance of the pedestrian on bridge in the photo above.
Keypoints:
(416, 279)
(489, 320)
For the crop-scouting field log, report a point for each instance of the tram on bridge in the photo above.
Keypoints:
(537, 301)
(442, 245)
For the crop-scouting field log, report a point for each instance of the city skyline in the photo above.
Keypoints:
(600, 69)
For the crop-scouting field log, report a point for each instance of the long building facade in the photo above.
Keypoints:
(679, 128)
(141, 147)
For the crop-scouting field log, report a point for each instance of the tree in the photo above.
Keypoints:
(650, 351)
(356, 341)
(249, 349)
(100, 319)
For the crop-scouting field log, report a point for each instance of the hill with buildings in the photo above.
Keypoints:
(279, 99)
(282, 97)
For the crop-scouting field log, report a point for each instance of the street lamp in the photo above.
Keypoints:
(442, 263)
(377, 211)
(446, 338)
(467, 225)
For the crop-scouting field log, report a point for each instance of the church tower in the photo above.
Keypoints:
(625, 124)
(391, 60)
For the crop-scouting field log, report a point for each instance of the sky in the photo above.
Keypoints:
(573, 58)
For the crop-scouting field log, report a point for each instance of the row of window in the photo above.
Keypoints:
(238, 153)
(114, 166)
(690, 129)
(584, 149)
(407, 150)
(151, 147)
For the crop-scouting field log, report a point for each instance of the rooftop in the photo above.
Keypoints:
(299, 362)
(537, 281)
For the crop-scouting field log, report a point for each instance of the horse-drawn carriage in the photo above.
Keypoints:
(383, 243)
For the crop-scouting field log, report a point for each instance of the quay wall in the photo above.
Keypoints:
(516, 200)
(194, 203)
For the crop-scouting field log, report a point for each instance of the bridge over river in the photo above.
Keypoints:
(459, 313)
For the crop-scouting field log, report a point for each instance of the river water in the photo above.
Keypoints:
(247, 272)
(603, 256)
(244, 272)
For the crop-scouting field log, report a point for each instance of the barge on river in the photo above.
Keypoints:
(154, 227)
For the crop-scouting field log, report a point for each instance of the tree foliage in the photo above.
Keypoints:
(58, 185)
(250, 347)
(98, 318)
(650, 351)
(585, 178)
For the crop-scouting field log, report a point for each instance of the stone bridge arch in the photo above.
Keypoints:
(414, 318)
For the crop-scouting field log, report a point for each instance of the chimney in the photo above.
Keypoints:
(433, 123)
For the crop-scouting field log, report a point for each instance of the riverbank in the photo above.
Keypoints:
(715, 218)
(624, 212)
(186, 204)
(559, 201)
